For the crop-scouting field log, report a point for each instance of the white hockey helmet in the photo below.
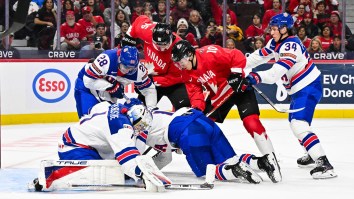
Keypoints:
(140, 117)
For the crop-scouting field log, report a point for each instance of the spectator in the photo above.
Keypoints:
(272, 12)
(182, 31)
(71, 33)
(138, 10)
(196, 25)
(181, 10)
(320, 15)
(230, 44)
(68, 5)
(335, 24)
(148, 13)
(310, 27)
(173, 4)
(93, 49)
(89, 22)
(336, 46)
(94, 8)
(234, 32)
(45, 21)
(315, 46)
(172, 23)
(120, 17)
(14, 51)
(256, 29)
(148, 6)
(160, 14)
(258, 43)
(125, 7)
(217, 10)
(301, 33)
(299, 16)
(330, 5)
(294, 6)
(107, 13)
(124, 28)
(326, 37)
(212, 35)
(100, 5)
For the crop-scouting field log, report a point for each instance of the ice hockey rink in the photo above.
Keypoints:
(24, 146)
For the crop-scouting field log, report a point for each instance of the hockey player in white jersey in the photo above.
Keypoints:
(104, 79)
(302, 80)
(106, 133)
(202, 142)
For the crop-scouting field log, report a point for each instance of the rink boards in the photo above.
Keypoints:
(41, 91)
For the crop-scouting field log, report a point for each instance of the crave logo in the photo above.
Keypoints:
(51, 85)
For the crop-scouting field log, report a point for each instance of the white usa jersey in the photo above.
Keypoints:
(292, 64)
(107, 130)
(106, 65)
(157, 136)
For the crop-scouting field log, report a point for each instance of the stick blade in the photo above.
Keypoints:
(291, 110)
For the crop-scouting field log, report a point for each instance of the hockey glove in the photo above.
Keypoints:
(149, 186)
(116, 90)
(234, 80)
(246, 83)
(128, 41)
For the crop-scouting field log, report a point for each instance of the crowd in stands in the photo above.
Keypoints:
(85, 24)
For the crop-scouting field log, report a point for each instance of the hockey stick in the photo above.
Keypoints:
(204, 186)
(207, 185)
(19, 18)
(278, 109)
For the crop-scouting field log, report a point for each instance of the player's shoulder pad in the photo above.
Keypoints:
(118, 118)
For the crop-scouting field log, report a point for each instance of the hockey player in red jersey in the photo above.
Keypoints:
(158, 41)
(219, 71)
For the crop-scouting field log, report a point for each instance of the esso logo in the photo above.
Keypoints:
(51, 85)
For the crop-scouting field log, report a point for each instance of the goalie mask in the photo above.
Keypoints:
(140, 117)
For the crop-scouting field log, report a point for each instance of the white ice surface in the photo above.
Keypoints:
(23, 146)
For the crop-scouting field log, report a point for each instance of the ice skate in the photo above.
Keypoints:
(269, 164)
(243, 171)
(323, 169)
(305, 161)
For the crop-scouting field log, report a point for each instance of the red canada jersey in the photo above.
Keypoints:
(214, 65)
(72, 32)
(88, 25)
(165, 72)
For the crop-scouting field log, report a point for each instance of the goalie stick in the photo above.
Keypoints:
(19, 18)
(204, 186)
(207, 185)
(278, 109)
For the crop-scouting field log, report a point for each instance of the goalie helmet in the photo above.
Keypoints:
(181, 50)
(140, 117)
(128, 59)
(282, 20)
(162, 36)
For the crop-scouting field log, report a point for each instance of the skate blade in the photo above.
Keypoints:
(313, 165)
(276, 175)
(326, 175)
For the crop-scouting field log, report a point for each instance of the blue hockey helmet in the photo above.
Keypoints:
(282, 20)
(128, 59)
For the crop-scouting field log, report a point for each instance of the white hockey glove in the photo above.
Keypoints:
(149, 186)
(152, 177)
